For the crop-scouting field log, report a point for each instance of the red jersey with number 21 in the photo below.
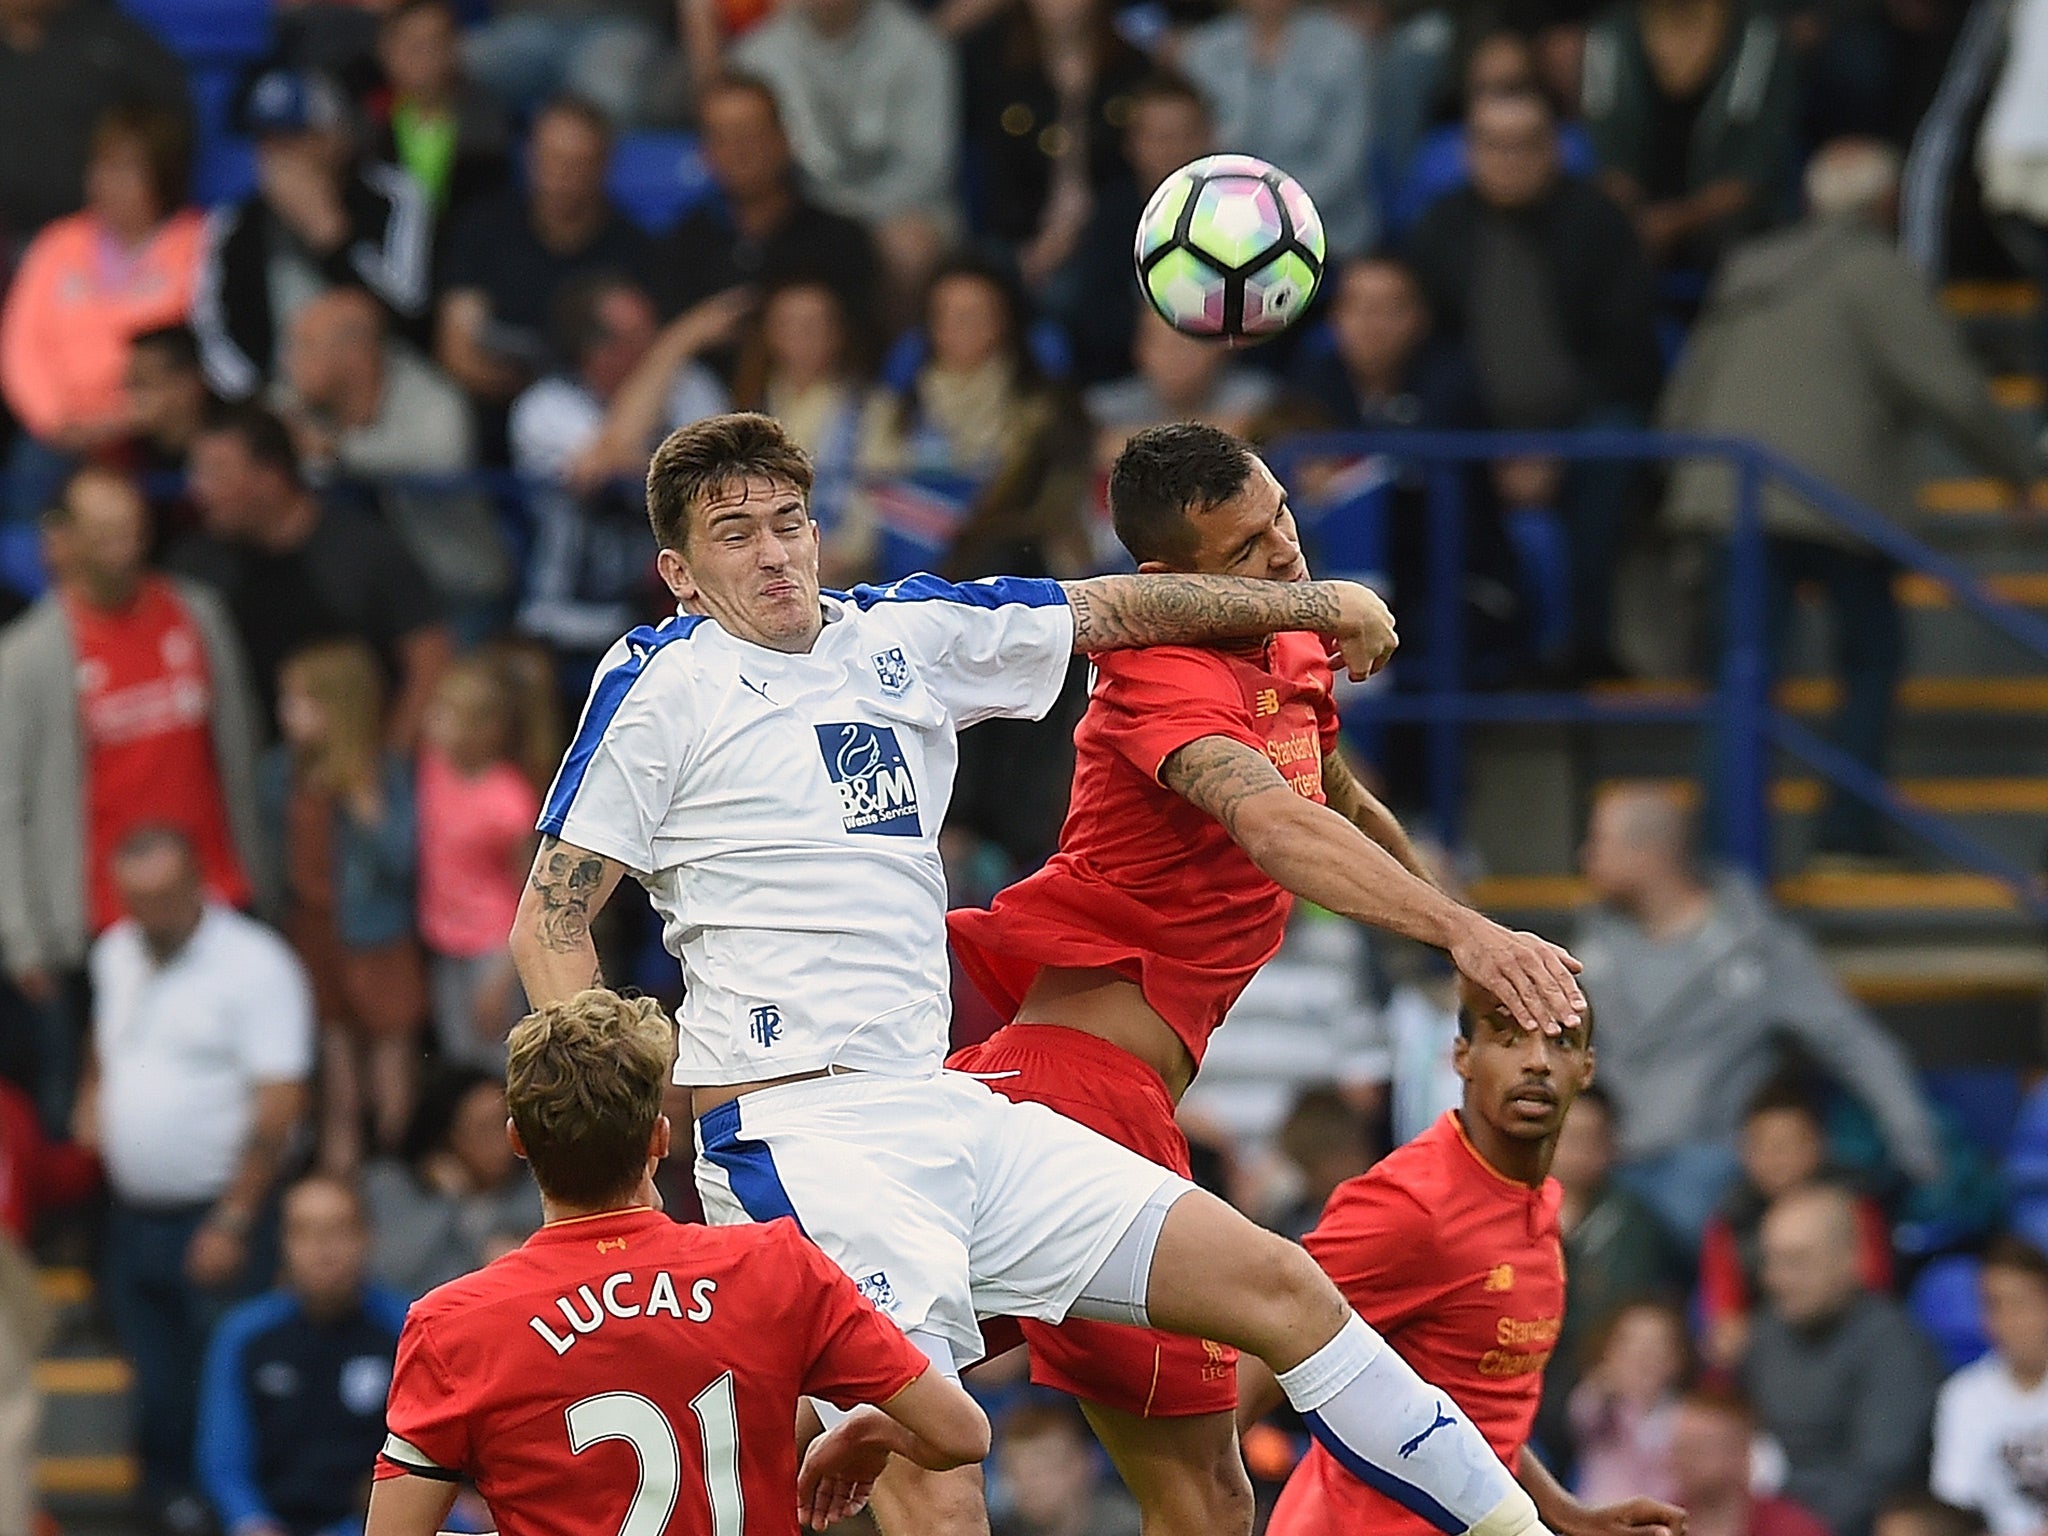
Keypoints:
(629, 1374)
(1145, 883)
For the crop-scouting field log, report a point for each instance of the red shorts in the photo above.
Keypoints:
(1138, 1371)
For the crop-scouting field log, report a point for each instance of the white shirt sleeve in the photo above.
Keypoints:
(988, 649)
(273, 1009)
(619, 776)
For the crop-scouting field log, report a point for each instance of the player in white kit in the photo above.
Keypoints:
(773, 764)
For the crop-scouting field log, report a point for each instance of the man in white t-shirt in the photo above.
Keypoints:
(773, 764)
(202, 1041)
(1991, 1420)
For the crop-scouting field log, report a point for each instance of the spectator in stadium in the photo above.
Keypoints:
(1051, 1475)
(1783, 1147)
(63, 64)
(1292, 84)
(320, 218)
(343, 810)
(476, 815)
(87, 283)
(510, 257)
(202, 1044)
(432, 121)
(1842, 1378)
(582, 438)
(870, 95)
(1539, 277)
(1048, 88)
(1326, 1139)
(1623, 1409)
(1691, 106)
(1916, 1512)
(1176, 378)
(124, 698)
(1712, 1439)
(360, 404)
(802, 365)
(1092, 296)
(294, 569)
(1991, 1420)
(37, 1175)
(458, 1191)
(1615, 1250)
(1822, 342)
(291, 1407)
(167, 402)
(1697, 978)
(762, 228)
(600, 50)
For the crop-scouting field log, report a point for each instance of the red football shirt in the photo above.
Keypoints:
(1144, 883)
(1462, 1271)
(628, 1373)
(144, 708)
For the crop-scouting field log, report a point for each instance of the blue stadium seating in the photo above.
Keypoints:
(225, 168)
(207, 31)
(1984, 1100)
(657, 178)
(1943, 1300)
(2026, 1158)
(21, 560)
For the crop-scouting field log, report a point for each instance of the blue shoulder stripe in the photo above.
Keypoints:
(988, 592)
(642, 645)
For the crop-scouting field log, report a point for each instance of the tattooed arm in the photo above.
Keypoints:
(1318, 855)
(1118, 612)
(1363, 809)
(551, 935)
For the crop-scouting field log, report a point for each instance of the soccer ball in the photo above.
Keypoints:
(1230, 247)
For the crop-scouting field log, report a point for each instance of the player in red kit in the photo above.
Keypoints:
(1208, 792)
(1450, 1248)
(624, 1375)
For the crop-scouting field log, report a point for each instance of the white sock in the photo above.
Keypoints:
(1402, 1437)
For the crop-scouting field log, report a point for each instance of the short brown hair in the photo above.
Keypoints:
(583, 1084)
(2010, 1251)
(696, 462)
(165, 139)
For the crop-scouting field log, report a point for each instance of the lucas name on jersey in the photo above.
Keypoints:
(589, 1308)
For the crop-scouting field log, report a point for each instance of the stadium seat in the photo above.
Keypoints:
(1984, 1100)
(21, 560)
(657, 178)
(1943, 1300)
(2026, 1158)
(207, 31)
(224, 170)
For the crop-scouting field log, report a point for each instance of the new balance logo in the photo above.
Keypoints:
(1500, 1278)
(1266, 702)
(765, 1024)
(871, 777)
(1410, 1447)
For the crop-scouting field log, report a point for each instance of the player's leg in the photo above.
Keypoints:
(1209, 1271)
(1187, 1474)
(909, 1501)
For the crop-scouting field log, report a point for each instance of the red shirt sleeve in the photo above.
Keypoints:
(1151, 703)
(855, 1354)
(426, 1419)
(1373, 1240)
(1724, 1290)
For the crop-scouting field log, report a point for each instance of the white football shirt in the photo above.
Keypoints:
(1991, 1447)
(783, 812)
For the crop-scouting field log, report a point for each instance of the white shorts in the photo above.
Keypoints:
(943, 1200)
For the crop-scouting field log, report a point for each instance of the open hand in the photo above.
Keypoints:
(840, 1468)
(1532, 977)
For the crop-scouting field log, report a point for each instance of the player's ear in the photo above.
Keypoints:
(1461, 1056)
(658, 1143)
(1154, 568)
(512, 1137)
(675, 574)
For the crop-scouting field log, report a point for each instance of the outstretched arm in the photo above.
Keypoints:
(409, 1506)
(1317, 854)
(551, 934)
(1122, 612)
(1364, 810)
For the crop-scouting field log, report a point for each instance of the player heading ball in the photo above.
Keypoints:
(623, 1373)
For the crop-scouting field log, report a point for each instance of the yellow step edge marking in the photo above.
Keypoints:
(1842, 893)
(2016, 391)
(64, 1287)
(1980, 298)
(87, 1474)
(84, 1377)
(2028, 589)
(1965, 497)
(1953, 695)
(1951, 796)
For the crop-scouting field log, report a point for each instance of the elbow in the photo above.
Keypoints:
(967, 1437)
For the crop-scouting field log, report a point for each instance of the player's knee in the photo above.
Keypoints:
(1214, 1499)
(1287, 1286)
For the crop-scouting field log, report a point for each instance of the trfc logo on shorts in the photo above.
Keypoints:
(867, 769)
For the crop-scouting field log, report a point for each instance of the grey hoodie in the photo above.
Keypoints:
(1687, 1029)
(1823, 343)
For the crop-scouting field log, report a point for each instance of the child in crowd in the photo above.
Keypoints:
(476, 816)
(1991, 1420)
(1623, 1409)
(1783, 1146)
(342, 811)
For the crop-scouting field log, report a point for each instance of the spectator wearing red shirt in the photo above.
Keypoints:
(1450, 1248)
(123, 700)
(1710, 1470)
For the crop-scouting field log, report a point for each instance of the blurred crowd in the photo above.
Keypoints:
(329, 379)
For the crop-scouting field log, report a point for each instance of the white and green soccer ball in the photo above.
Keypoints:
(1230, 248)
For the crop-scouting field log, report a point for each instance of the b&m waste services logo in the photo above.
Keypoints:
(876, 792)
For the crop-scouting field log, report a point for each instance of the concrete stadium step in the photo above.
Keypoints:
(84, 1469)
(2023, 698)
(1970, 301)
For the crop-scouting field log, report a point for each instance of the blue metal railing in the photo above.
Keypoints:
(1740, 704)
